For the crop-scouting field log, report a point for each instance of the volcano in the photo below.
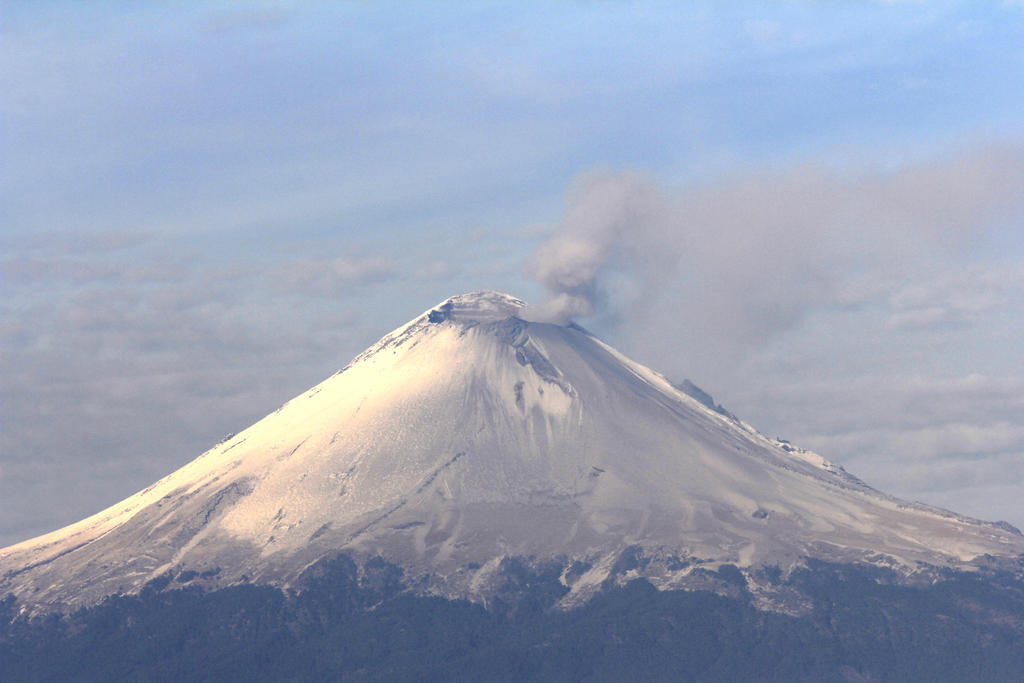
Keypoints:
(470, 435)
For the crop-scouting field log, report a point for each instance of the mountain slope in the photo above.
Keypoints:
(469, 435)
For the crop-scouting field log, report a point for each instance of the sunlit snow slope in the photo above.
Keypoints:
(469, 435)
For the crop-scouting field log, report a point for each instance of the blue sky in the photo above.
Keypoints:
(812, 209)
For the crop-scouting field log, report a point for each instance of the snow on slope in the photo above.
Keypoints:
(468, 435)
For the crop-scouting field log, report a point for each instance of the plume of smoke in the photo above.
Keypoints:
(712, 271)
(609, 221)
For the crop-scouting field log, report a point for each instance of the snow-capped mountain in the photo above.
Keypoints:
(469, 435)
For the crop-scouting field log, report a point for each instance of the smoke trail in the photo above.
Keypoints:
(609, 221)
(713, 270)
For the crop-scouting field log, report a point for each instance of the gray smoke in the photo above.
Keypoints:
(611, 220)
(715, 269)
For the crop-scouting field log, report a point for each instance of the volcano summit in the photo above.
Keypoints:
(470, 435)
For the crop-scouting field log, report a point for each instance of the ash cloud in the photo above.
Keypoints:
(609, 223)
(718, 269)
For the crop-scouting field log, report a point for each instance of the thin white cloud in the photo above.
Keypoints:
(926, 317)
(954, 296)
(245, 18)
(330, 276)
